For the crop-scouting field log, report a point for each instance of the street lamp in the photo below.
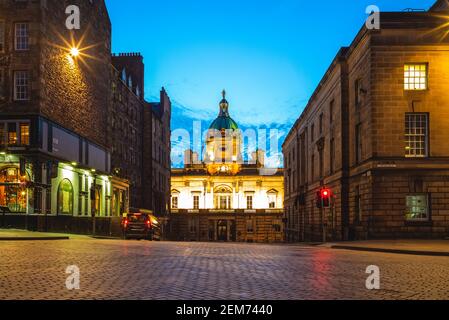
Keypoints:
(74, 52)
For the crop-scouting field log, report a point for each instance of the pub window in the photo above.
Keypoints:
(25, 134)
(416, 135)
(2, 36)
(12, 133)
(417, 207)
(415, 76)
(21, 38)
(98, 201)
(65, 197)
(21, 85)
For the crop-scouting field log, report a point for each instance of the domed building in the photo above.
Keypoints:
(221, 197)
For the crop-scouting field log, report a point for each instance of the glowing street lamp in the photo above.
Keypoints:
(74, 52)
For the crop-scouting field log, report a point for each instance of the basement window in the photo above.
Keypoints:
(417, 207)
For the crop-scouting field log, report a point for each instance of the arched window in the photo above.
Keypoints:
(124, 75)
(65, 197)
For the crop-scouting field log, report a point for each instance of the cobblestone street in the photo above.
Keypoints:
(114, 269)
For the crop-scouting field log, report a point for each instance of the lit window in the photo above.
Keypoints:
(196, 202)
(12, 133)
(415, 76)
(24, 134)
(249, 202)
(417, 208)
(21, 85)
(2, 36)
(2, 134)
(65, 197)
(416, 130)
(174, 203)
(21, 36)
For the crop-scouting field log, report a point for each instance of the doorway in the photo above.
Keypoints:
(222, 230)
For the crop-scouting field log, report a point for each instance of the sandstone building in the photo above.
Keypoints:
(71, 121)
(374, 132)
(222, 197)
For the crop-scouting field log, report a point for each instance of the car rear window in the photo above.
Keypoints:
(137, 218)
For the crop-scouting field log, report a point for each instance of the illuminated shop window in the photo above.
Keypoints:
(25, 134)
(415, 76)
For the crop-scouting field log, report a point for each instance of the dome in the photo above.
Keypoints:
(224, 121)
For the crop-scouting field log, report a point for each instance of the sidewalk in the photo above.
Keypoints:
(23, 235)
(414, 247)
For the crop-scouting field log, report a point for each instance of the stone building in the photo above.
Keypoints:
(71, 120)
(127, 122)
(374, 133)
(160, 132)
(223, 198)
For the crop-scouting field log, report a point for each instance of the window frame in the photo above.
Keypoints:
(27, 86)
(426, 140)
(415, 64)
(428, 208)
(27, 36)
(60, 200)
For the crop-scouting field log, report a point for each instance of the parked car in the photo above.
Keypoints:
(138, 224)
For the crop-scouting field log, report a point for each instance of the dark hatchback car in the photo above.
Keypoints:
(140, 225)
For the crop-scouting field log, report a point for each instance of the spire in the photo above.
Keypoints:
(224, 105)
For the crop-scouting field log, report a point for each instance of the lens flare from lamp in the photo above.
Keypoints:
(74, 52)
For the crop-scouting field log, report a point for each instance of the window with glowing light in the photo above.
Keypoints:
(415, 76)
(416, 135)
(174, 203)
(21, 38)
(249, 202)
(25, 134)
(65, 197)
(13, 191)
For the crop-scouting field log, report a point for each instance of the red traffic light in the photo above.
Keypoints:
(324, 198)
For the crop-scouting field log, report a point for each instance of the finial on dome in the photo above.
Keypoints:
(224, 93)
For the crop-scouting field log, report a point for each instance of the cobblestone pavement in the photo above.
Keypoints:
(115, 269)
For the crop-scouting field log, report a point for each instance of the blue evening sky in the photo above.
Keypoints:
(268, 54)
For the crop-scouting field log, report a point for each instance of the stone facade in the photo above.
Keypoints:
(223, 198)
(71, 126)
(160, 153)
(354, 137)
(127, 122)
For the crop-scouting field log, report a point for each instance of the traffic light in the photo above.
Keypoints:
(323, 198)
